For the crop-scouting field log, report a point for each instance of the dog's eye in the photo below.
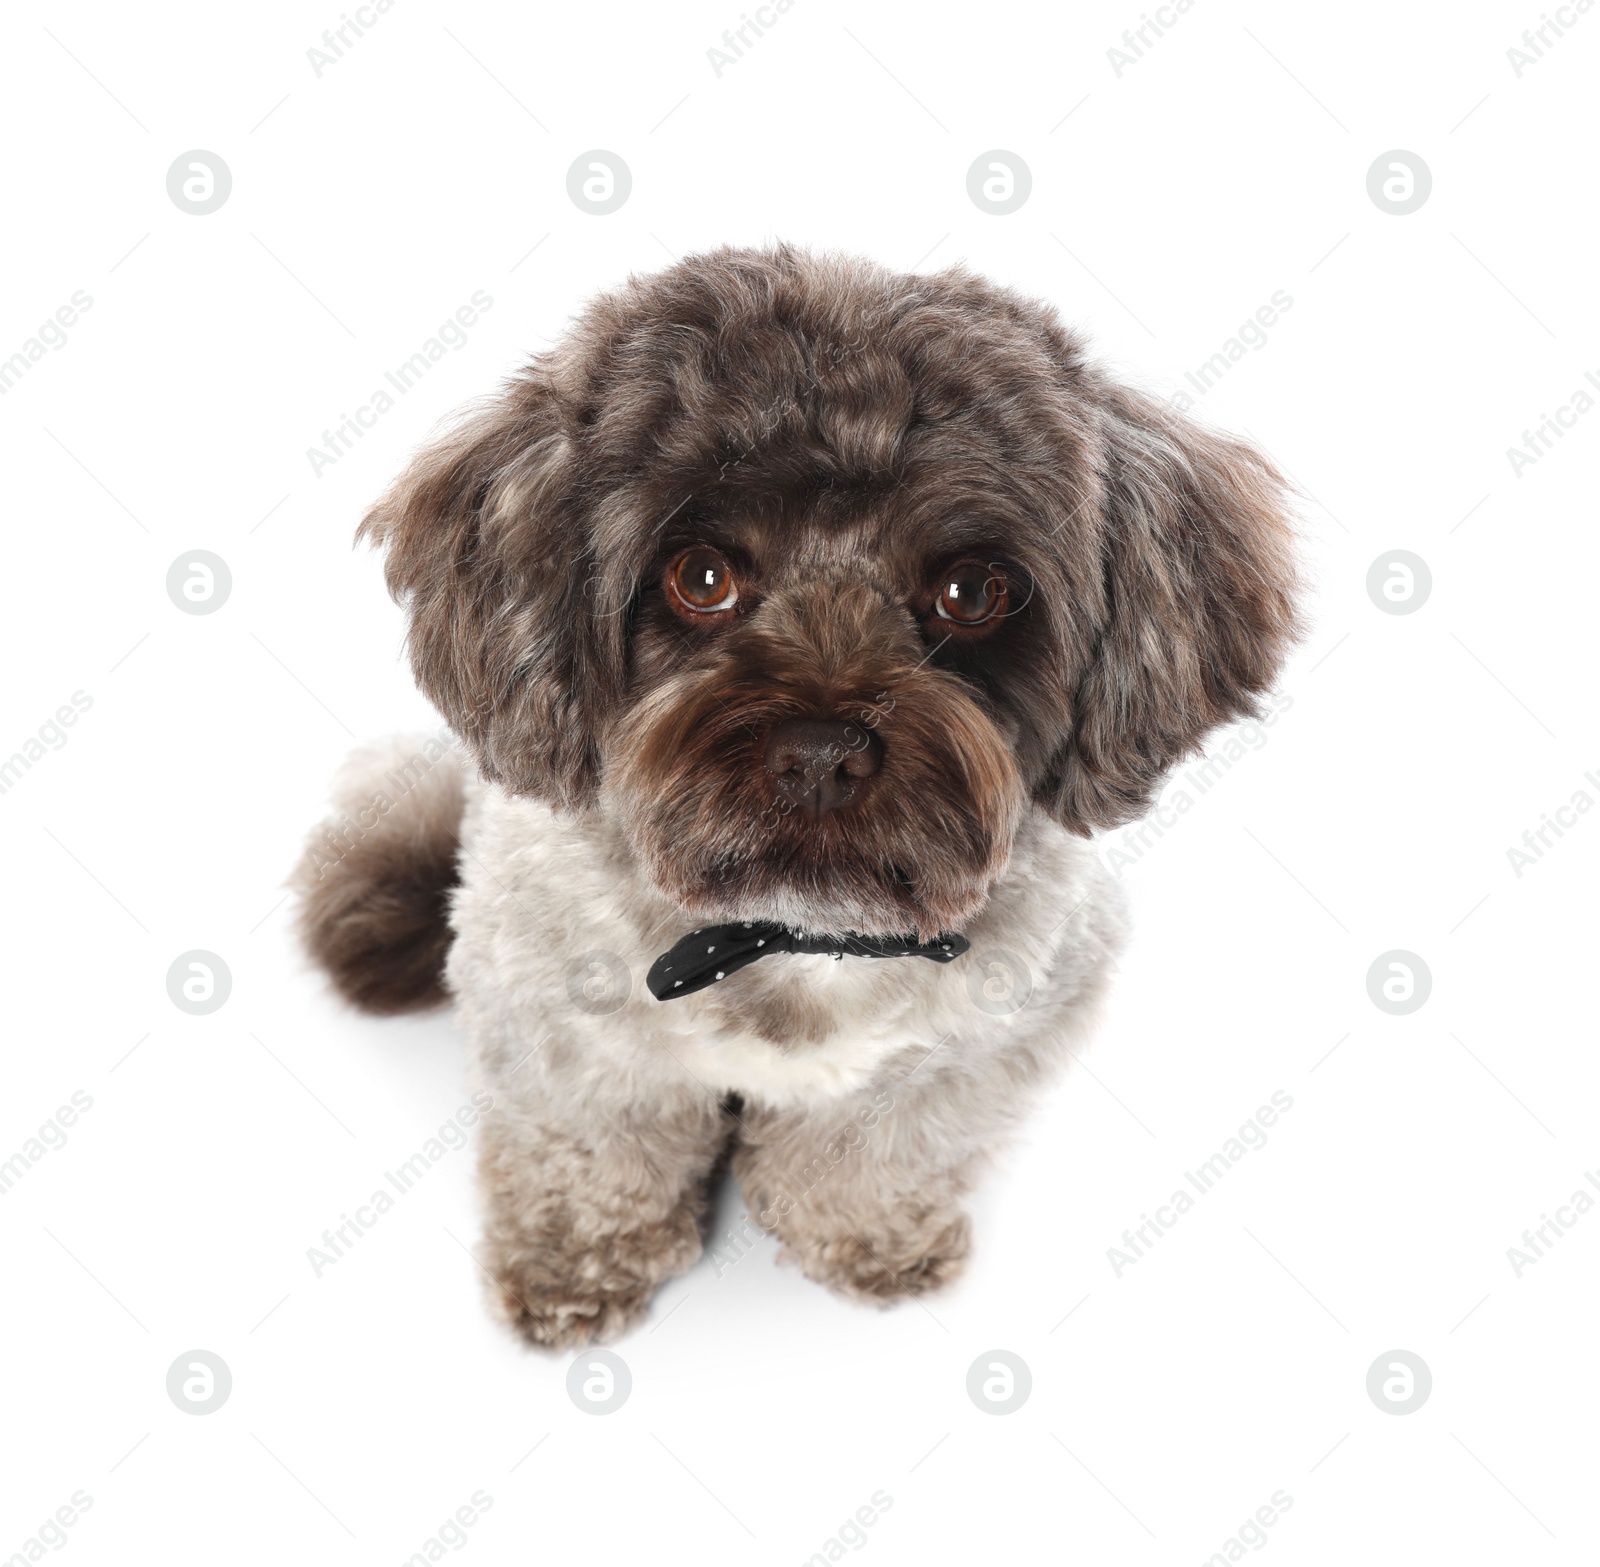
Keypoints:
(971, 593)
(701, 581)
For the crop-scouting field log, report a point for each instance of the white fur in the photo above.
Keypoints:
(541, 891)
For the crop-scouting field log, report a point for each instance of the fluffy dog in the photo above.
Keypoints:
(790, 602)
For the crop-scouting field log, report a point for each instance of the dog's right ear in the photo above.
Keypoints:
(487, 551)
(1200, 588)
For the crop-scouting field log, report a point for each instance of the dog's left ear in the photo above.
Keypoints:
(491, 556)
(1198, 594)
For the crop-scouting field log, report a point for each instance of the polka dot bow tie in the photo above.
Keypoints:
(705, 956)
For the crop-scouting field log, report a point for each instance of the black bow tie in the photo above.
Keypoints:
(705, 956)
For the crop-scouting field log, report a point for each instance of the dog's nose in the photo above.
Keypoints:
(818, 762)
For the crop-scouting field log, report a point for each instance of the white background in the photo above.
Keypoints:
(1168, 203)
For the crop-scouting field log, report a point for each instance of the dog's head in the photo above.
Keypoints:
(818, 576)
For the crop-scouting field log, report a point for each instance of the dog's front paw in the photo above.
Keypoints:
(882, 1262)
(568, 1317)
(562, 1289)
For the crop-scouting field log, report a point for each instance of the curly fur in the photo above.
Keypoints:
(840, 433)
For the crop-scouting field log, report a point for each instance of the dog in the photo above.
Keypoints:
(815, 615)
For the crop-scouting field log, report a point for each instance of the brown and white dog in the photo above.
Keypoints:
(799, 597)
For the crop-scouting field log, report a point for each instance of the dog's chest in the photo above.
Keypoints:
(556, 929)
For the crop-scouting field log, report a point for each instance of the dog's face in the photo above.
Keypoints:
(817, 577)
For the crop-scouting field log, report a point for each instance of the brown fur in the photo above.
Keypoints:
(375, 893)
(579, 1235)
(840, 432)
(842, 435)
